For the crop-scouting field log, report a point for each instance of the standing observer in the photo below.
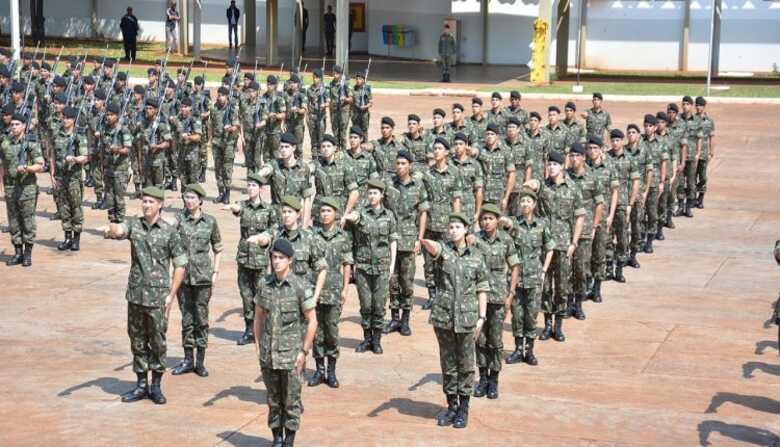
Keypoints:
(233, 13)
(129, 27)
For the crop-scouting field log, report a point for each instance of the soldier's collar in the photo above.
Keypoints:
(291, 234)
(328, 233)
(531, 222)
(376, 211)
(260, 203)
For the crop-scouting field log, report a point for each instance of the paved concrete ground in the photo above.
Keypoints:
(679, 355)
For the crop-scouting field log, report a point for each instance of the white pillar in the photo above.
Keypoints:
(342, 35)
(184, 27)
(271, 32)
(15, 32)
(483, 11)
(196, 19)
(250, 24)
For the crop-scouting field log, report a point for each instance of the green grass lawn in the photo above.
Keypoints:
(666, 89)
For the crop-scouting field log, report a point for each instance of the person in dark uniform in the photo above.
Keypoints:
(129, 27)
(330, 31)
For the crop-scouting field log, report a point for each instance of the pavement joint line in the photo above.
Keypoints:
(658, 348)
(755, 221)
(238, 430)
(717, 271)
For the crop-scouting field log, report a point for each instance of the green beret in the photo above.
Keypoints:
(331, 202)
(153, 191)
(490, 208)
(254, 177)
(292, 202)
(376, 184)
(196, 188)
(459, 217)
(527, 192)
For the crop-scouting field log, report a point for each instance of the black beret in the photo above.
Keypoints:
(440, 112)
(495, 95)
(89, 80)
(199, 80)
(9, 109)
(121, 76)
(317, 73)
(661, 116)
(650, 119)
(355, 130)
(460, 136)
(35, 65)
(17, 87)
(514, 94)
(152, 102)
(458, 106)
(443, 142)
(254, 85)
(360, 74)
(223, 90)
(284, 247)
(535, 115)
(61, 98)
(74, 66)
(413, 117)
(616, 133)
(337, 69)
(632, 126)
(113, 108)
(151, 71)
(596, 140)
(476, 100)
(492, 127)
(673, 107)
(295, 78)
(386, 120)
(556, 157)
(687, 99)
(139, 89)
(60, 81)
(101, 95)
(158, 62)
(170, 84)
(288, 138)
(514, 120)
(598, 95)
(26, 56)
(553, 109)
(5, 52)
(109, 63)
(271, 80)
(4, 71)
(186, 102)
(19, 117)
(329, 138)
(700, 101)
(570, 105)
(403, 153)
(249, 75)
(577, 148)
(70, 112)
(46, 66)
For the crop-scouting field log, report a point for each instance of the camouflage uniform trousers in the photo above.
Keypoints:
(21, 217)
(299, 130)
(429, 264)
(248, 281)
(618, 240)
(687, 185)
(154, 175)
(525, 308)
(651, 212)
(317, 128)
(194, 307)
(136, 163)
(402, 281)
(189, 169)
(663, 203)
(637, 221)
(372, 292)
(116, 187)
(598, 258)
(96, 169)
(224, 154)
(490, 345)
(701, 176)
(172, 160)
(284, 398)
(339, 124)
(326, 340)
(71, 213)
(581, 273)
(146, 327)
(456, 356)
(671, 196)
(253, 150)
(203, 151)
(557, 284)
(271, 143)
(361, 120)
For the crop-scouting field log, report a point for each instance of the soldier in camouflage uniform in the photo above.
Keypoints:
(375, 241)
(155, 247)
(445, 191)
(135, 112)
(297, 106)
(252, 113)
(534, 246)
(577, 132)
(497, 114)
(686, 193)
(189, 132)
(562, 202)
(362, 162)
(201, 100)
(362, 102)
(597, 120)
(472, 178)
(276, 109)
(679, 149)
(706, 136)
(459, 124)
(337, 247)
(666, 142)
(498, 167)
(255, 217)
(628, 177)
(438, 128)
(199, 234)
(659, 157)
(477, 121)
(407, 198)
(116, 142)
(385, 149)
(341, 99)
(593, 202)
(608, 186)
(334, 178)
(53, 125)
(516, 110)
(644, 165)
(415, 142)
(516, 144)
(458, 315)
(96, 164)
(537, 149)
(500, 257)
(21, 161)
(559, 137)
(289, 176)
(69, 155)
(318, 97)
(224, 130)
(168, 106)
(155, 137)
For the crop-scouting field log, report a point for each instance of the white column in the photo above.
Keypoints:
(271, 32)
(196, 21)
(342, 35)
(15, 32)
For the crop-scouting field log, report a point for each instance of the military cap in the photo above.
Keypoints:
(360, 74)
(440, 112)
(186, 102)
(527, 192)
(46, 66)
(442, 141)
(35, 65)
(254, 177)
(616, 133)
(458, 106)
(355, 130)
(571, 106)
(386, 120)
(196, 188)
(113, 108)
(17, 87)
(632, 126)
(329, 138)
(595, 139)
(170, 84)
(223, 90)
(577, 148)
(459, 217)
(226, 79)
(26, 56)
(460, 136)
(61, 98)
(496, 95)
(337, 69)
(73, 58)
(109, 63)
(289, 138)
(492, 127)
(253, 85)
(535, 115)
(19, 117)
(317, 73)
(514, 120)
(555, 156)
(70, 112)
(60, 81)
(700, 101)
(673, 107)
(661, 116)
(249, 75)
(199, 80)
(476, 100)
(687, 99)
(284, 247)
(152, 102)
(74, 66)
(405, 154)
(151, 71)
(139, 89)
(331, 202)
(598, 95)
(271, 80)
(155, 192)
(4, 72)
(9, 109)
(121, 76)
(413, 117)
(490, 208)
(101, 95)
(89, 80)
(292, 202)
(295, 78)
(5, 52)
(375, 184)
(553, 109)
(514, 94)
(650, 119)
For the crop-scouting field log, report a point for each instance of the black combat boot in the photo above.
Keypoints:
(649, 243)
(578, 312)
(405, 329)
(669, 221)
(547, 332)
(226, 197)
(186, 365)
(394, 324)
(492, 385)
(17, 258)
(249, 333)
(278, 434)
(155, 393)
(688, 207)
(174, 184)
(220, 196)
(448, 417)
(530, 358)
(202, 176)
(289, 437)
(364, 345)
(98, 202)
(376, 342)
(89, 182)
(431, 296)
(610, 273)
(659, 235)
(596, 291)
(559, 329)
(680, 211)
(632, 262)
(517, 355)
(332, 381)
(700, 201)
(319, 373)
(76, 246)
(619, 272)
(27, 262)
(462, 417)
(67, 243)
(481, 388)
(200, 367)
(141, 390)
(569, 311)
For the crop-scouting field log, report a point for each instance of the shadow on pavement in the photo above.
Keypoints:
(737, 432)
(239, 439)
(428, 378)
(229, 312)
(758, 403)
(244, 393)
(749, 367)
(425, 410)
(109, 385)
(348, 343)
(225, 334)
(763, 345)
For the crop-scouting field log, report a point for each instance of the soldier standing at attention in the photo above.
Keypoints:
(117, 141)
(337, 247)
(385, 149)
(628, 192)
(296, 113)
(189, 133)
(155, 137)
(438, 128)
(363, 101)
(362, 163)
(318, 97)
(597, 120)
(477, 121)
(201, 101)
(459, 124)
(497, 115)
(534, 245)
(284, 331)
(276, 109)
(498, 166)
(644, 165)
(679, 148)
(458, 315)
(341, 98)
(608, 186)
(417, 145)
(334, 178)
(375, 241)
(515, 110)
(255, 216)
(68, 157)
(576, 130)
(155, 246)
(659, 159)
(538, 147)
(199, 234)
(686, 194)
(707, 137)
(447, 52)
(515, 143)
(471, 176)
(289, 176)
(408, 199)
(500, 256)
(224, 129)
(251, 111)
(558, 133)
(21, 160)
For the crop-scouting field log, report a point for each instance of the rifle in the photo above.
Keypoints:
(233, 76)
(365, 84)
(125, 103)
(53, 73)
(160, 79)
(21, 156)
(186, 77)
